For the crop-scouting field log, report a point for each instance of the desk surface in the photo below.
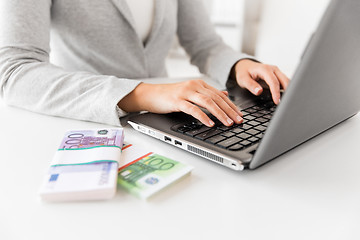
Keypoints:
(311, 192)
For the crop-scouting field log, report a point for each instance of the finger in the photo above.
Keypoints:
(192, 95)
(208, 103)
(284, 80)
(251, 84)
(196, 112)
(272, 81)
(226, 106)
(225, 98)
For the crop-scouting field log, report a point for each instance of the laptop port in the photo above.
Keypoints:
(178, 143)
(167, 139)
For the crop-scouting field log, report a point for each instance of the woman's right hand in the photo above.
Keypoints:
(184, 97)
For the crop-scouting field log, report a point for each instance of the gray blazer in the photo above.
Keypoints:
(98, 53)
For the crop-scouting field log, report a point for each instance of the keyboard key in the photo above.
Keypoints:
(268, 116)
(260, 128)
(262, 120)
(245, 113)
(257, 114)
(253, 139)
(260, 135)
(192, 133)
(193, 125)
(225, 128)
(236, 147)
(228, 134)
(249, 117)
(215, 139)
(252, 132)
(237, 130)
(183, 129)
(265, 112)
(246, 126)
(243, 135)
(229, 142)
(265, 124)
(246, 143)
(208, 134)
(253, 123)
(250, 110)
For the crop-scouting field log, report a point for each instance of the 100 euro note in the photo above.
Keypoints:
(150, 173)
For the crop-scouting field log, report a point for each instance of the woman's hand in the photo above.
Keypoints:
(249, 72)
(183, 97)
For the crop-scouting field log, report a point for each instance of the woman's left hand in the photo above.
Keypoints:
(249, 72)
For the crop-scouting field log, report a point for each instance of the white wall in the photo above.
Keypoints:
(252, 17)
(284, 30)
(227, 17)
(277, 29)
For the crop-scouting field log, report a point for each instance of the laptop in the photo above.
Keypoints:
(323, 93)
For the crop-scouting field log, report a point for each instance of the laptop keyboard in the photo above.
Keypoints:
(236, 137)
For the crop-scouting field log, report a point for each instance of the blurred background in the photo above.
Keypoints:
(275, 31)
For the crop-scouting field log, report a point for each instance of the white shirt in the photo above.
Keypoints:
(143, 12)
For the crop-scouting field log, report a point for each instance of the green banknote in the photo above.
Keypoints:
(150, 174)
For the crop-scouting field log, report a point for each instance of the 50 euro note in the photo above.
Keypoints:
(149, 173)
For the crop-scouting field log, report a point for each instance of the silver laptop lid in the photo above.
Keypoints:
(325, 88)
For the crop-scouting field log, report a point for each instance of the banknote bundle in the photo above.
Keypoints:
(144, 173)
(85, 166)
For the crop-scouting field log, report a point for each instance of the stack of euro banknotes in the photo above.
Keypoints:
(89, 164)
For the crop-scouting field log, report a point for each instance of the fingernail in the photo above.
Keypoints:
(211, 123)
(257, 90)
(239, 119)
(230, 121)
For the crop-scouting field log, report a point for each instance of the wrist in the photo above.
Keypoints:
(135, 101)
(238, 64)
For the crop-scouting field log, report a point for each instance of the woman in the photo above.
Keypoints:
(106, 49)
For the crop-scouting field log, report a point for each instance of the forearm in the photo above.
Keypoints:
(206, 49)
(29, 81)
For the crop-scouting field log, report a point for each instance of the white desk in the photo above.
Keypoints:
(312, 192)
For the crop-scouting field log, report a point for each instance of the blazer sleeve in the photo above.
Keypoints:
(28, 80)
(206, 49)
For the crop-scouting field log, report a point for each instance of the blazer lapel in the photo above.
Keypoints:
(160, 6)
(123, 8)
(158, 19)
